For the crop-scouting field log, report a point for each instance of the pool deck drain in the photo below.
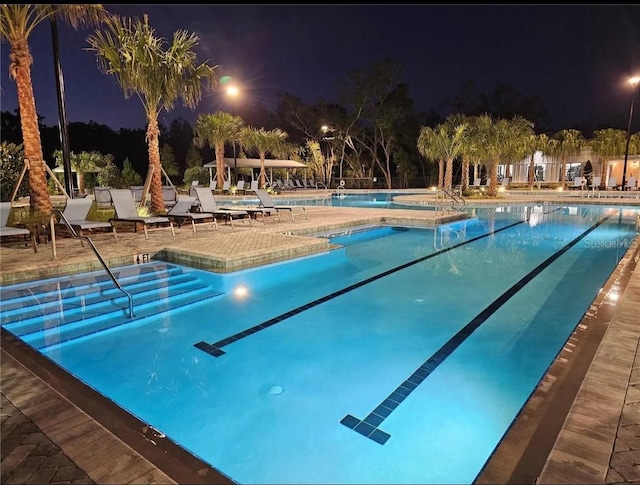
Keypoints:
(36, 415)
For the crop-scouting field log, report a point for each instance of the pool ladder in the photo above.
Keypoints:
(93, 248)
(450, 200)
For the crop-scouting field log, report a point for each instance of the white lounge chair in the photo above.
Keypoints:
(612, 183)
(267, 202)
(595, 186)
(182, 210)
(254, 185)
(476, 183)
(208, 205)
(76, 211)
(578, 183)
(5, 211)
(240, 187)
(630, 184)
(126, 211)
(102, 196)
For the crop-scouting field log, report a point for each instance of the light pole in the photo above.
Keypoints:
(634, 84)
(232, 92)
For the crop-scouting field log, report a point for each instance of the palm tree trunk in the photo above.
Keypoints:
(155, 168)
(532, 169)
(563, 169)
(448, 174)
(465, 174)
(440, 174)
(262, 171)
(220, 165)
(39, 200)
(493, 181)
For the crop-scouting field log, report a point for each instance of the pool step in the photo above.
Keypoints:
(56, 311)
(54, 290)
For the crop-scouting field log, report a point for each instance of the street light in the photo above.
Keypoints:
(233, 92)
(634, 84)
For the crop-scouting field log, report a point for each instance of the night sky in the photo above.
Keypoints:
(577, 58)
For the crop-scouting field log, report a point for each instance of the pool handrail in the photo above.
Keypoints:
(94, 249)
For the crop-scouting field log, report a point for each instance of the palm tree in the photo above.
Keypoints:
(607, 143)
(569, 143)
(129, 50)
(82, 163)
(17, 22)
(427, 147)
(536, 143)
(262, 142)
(215, 130)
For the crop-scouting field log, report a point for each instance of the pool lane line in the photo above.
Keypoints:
(369, 426)
(215, 349)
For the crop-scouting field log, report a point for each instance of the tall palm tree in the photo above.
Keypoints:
(215, 130)
(130, 51)
(569, 143)
(262, 142)
(17, 22)
(536, 143)
(607, 143)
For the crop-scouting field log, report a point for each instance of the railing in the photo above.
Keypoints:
(93, 247)
(450, 199)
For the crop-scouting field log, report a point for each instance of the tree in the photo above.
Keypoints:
(130, 176)
(214, 130)
(130, 51)
(11, 163)
(428, 147)
(17, 22)
(82, 163)
(606, 144)
(569, 144)
(168, 161)
(262, 142)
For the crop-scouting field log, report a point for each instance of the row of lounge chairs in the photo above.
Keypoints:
(201, 208)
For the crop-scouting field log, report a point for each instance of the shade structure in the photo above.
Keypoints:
(252, 163)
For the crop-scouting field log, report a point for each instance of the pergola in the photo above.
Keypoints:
(252, 163)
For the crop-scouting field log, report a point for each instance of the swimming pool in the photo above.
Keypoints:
(372, 200)
(402, 357)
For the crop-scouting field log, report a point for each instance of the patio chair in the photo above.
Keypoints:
(240, 187)
(76, 211)
(595, 186)
(182, 210)
(476, 183)
(5, 211)
(136, 191)
(169, 196)
(226, 186)
(267, 202)
(254, 185)
(578, 183)
(208, 205)
(126, 211)
(630, 184)
(612, 184)
(102, 197)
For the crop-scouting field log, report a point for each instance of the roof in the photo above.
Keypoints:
(255, 163)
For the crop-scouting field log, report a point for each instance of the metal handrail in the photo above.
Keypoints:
(95, 250)
(458, 202)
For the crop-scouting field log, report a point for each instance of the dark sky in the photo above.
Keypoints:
(576, 57)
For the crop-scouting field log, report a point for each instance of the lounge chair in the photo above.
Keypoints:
(182, 210)
(630, 184)
(578, 183)
(208, 205)
(126, 211)
(76, 211)
(476, 183)
(240, 187)
(254, 185)
(612, 183)
(226, 186)
(595, 186)
(169, 196)
(5, 210)
(267, 202)
(102, 196)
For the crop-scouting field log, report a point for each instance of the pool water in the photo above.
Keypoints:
(401, 357)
